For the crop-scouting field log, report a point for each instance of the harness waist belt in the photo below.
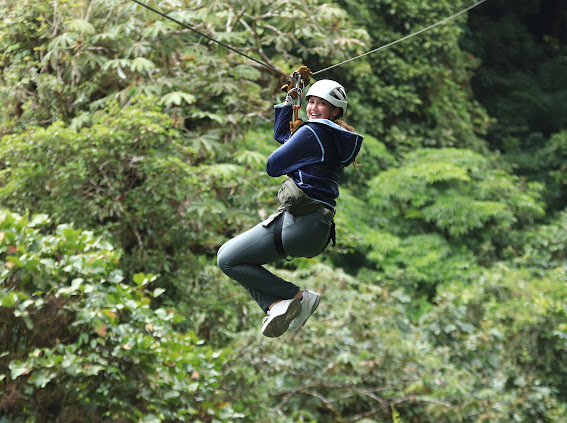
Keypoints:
(327, 212)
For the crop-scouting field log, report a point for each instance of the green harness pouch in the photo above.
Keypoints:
(295, 201)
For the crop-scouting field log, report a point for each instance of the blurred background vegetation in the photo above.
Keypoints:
(131, 149)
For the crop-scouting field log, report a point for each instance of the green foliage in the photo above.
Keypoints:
(78, 57)
(120, 173)
(443, 300)
(437, 218)
(79, 343)
(360, 357)
(457, 191)
(550, 163)
(544, 246)
(522, 82)
(508, 327)
(416, 93)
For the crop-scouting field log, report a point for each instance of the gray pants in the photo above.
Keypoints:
(242, 258)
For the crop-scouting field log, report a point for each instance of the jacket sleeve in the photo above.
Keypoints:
(282, 116)
(303, 148)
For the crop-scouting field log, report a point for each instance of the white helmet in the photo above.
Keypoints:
(331, 91)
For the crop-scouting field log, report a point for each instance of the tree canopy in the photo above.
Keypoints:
(131, 148)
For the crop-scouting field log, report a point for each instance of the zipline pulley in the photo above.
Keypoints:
(296, 100)
(295, 88)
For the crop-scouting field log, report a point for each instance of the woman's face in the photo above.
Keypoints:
(317, 108)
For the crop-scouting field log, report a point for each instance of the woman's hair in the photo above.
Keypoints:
(344, 125)
(339, 121)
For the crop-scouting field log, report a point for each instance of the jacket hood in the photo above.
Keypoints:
(348, 143)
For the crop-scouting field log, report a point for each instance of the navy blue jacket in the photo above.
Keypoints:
(315, 155)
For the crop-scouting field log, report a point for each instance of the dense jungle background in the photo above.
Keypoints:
(131, 149)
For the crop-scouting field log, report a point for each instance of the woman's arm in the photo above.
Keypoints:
(303, 148)
(282, 116)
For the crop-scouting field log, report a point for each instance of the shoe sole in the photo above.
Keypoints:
(279, 324)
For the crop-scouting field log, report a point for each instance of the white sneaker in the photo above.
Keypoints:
(280, 316)
(309, 304)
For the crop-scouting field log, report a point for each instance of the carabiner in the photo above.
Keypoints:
(298, 89)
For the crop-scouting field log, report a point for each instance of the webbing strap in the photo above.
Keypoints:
(332, 235)
(278, 227)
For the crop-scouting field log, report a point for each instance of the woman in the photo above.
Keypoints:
(313, 157)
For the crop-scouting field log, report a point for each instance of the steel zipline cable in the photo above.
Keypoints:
(404, 38)
(211, 38)
(319, 71)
